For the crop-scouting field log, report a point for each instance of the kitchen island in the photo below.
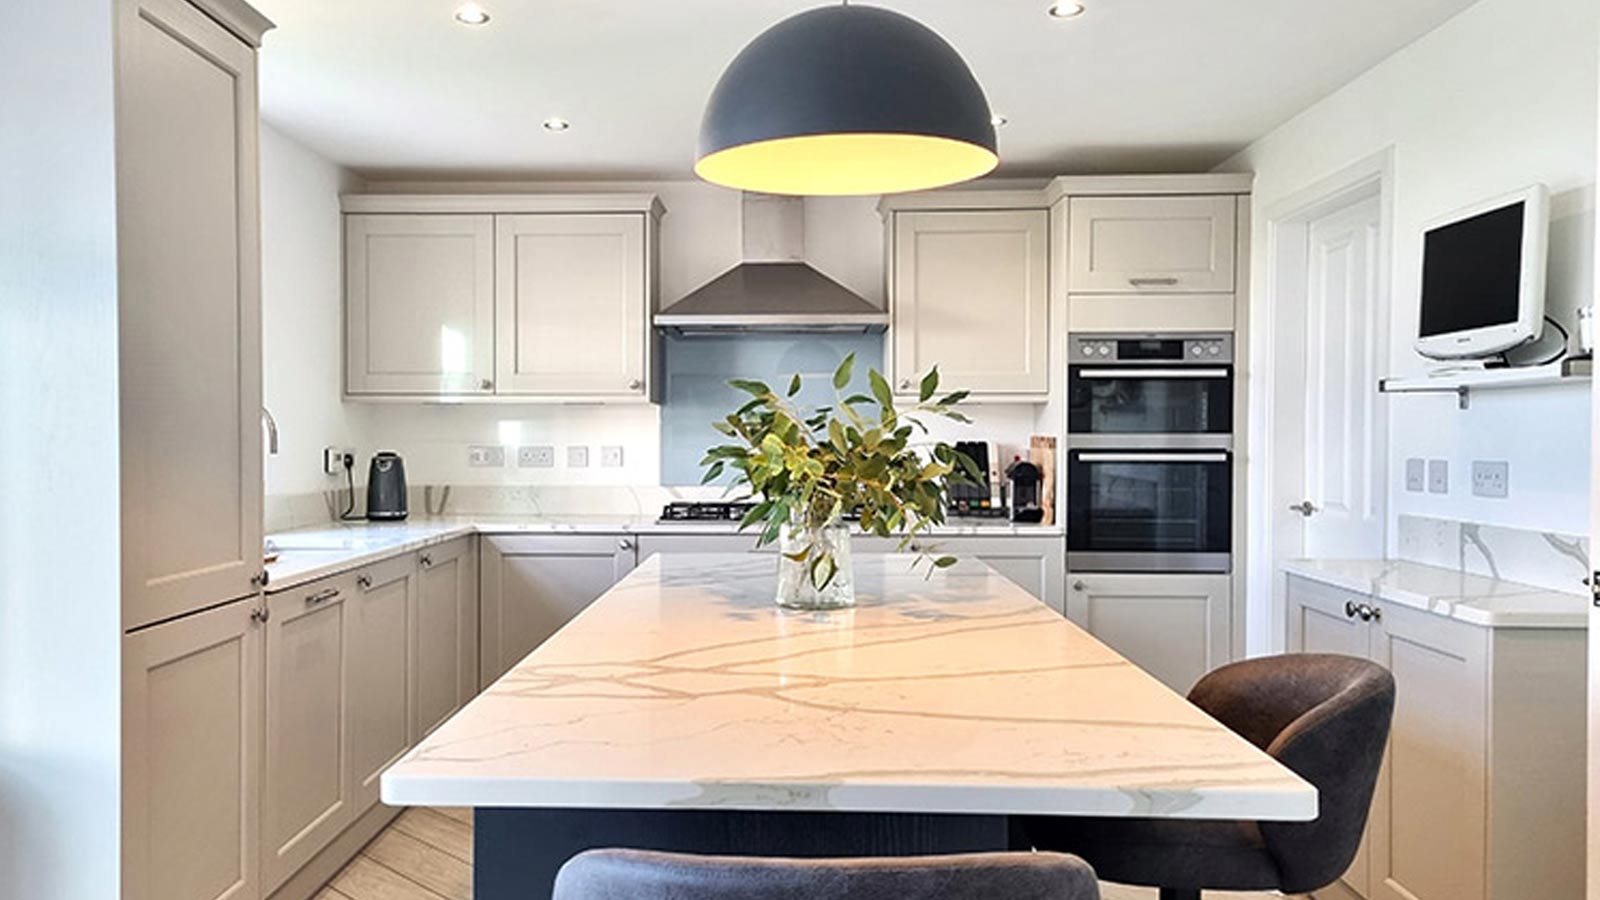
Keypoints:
(684, 711)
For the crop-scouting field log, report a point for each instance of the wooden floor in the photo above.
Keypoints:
(426, 854)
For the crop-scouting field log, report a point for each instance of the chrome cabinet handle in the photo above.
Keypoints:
(486, 385)
(1153, 282)
(1101, 374)
(1152, 457)
(260, 615)
(1350, 609)
(426, 561)
(635, 385)
(321, 596)
(1373, 614)
(905, 384)
(1079, 586)
(1305, 508)
(624, 544)
(260, 579)
(364, 582)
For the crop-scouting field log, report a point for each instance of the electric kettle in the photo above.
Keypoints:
(386, 488)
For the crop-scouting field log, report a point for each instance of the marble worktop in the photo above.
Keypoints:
(686, 687)
(309, 554)
(1475, 599)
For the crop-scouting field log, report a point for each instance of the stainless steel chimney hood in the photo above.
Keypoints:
(773, 291)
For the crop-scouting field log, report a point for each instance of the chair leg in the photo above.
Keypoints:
(1179, 894)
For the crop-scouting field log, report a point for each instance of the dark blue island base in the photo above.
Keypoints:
(517, 852)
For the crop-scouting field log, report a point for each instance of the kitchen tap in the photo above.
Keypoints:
(272, 430)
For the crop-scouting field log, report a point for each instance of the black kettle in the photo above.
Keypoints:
(386, 488)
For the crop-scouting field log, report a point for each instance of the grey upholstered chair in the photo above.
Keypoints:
(1324, 717)
(646, 875)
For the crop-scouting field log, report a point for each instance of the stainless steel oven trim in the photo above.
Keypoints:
(1082, 561)
(1142, 456)
(1137, 441)
(1149, 373)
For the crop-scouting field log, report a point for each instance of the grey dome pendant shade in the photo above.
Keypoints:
(846, 100)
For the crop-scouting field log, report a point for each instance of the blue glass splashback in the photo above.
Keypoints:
(697, 391)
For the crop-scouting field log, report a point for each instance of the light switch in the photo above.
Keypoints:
(1438, 476)
(1416, 475)
(577, 457)
(611, 457)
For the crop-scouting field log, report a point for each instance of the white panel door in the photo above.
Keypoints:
(1176, 627)
(189, 309)
(971, 295)
(306, 794)
(419, 304)
(191, 718)
(1594, 645)
(572, 306)
(1152, 245)
(1344, 499)
(446, 634)
(378, 673)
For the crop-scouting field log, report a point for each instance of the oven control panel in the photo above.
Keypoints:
(1144, 349)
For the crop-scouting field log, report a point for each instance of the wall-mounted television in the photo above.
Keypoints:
(1483, 272)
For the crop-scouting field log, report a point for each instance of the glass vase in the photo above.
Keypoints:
(823, 578)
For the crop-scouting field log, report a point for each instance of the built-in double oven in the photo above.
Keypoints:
(1150, 453)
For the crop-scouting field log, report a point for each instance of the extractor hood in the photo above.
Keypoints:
(773, 290)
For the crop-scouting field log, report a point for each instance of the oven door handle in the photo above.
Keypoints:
(1152, 373)
(1152, 457)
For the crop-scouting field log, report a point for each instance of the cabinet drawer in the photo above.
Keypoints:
(1176, 244)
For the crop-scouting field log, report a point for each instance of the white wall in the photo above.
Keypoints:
(1498, 97)
(302, 320)
(60, 616)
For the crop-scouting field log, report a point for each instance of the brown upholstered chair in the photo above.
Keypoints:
(646, 875)
(1324, 717)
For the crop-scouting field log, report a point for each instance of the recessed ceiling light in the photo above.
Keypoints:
(999, 121)
(556, 124)
(472, 14)
(1066, 9)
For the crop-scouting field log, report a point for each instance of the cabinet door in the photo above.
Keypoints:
(1319, 622)
(306, 798)
(1037, 565)
(189, 302)
(533, 585)
(192, 700)
(1176, 627)
(446, 634)
(970, 294)
(1428, 828)
(419, 304)
(378, 669)
(1151, 244)
(571, 305)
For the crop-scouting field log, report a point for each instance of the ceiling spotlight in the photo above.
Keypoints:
(556, 124)
(472, 14)
(999, 121)
(1066, 9)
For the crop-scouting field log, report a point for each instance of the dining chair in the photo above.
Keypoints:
(647, 875)
(1324, 717)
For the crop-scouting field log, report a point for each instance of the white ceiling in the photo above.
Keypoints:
(397, 88)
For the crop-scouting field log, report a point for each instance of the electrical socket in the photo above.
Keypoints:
(1438, 476)
(1416, 475)
(611, 457)
(486, 456)
(543, 457)
(333, 459)
(577, 457)
(1491, 479)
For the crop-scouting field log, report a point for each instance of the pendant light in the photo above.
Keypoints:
(846, 100)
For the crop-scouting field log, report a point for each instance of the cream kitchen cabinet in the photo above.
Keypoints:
(532, 585)
(419, 304)
(1177, 627)
(501, 298)
(379, 673)
(1480, 796)
(1152, 244)
(445, 639)
(969, 292)
(189, 307)
(191, 757)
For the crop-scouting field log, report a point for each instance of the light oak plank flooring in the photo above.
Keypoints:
(426, 854)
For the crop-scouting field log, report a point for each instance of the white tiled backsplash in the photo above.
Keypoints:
(1559, 562)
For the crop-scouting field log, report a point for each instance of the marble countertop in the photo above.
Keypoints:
(1487, 602)
(309, 554)
(685, 687)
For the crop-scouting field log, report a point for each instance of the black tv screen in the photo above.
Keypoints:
(1472, 272)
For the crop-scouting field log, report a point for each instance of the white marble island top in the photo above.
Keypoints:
(1475, 599)
(685, 687)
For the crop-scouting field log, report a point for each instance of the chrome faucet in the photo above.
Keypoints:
(272, 430)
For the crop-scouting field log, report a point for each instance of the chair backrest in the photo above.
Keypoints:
(646, 875)
(1327, 719)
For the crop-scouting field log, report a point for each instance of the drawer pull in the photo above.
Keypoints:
(1350, 609)
(364, 582)
(426, 561)
(321, 596)
(1152, 282)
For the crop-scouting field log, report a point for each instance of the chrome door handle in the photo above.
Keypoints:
(624, 544)
(1079, 586)
(425, 561)
(1153, 282)
(486, 385)
(1305, 508)
(1372, 614)
(321, 596)
(364, 582)
(635, 384)
(260, 615)
(1350, 609)
(260, 579)
(905, 384)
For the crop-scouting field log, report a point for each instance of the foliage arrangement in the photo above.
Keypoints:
(811, 467)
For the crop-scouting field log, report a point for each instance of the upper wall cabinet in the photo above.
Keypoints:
(969, 293)
(419, 304)
(1172, 244)
(525, 298)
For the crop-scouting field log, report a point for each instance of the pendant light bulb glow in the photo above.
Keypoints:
(846, 100)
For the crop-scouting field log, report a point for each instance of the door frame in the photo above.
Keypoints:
(1593, 816)
(1275, 445)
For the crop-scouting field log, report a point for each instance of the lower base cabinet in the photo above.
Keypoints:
(532, 585)
(445, 645)
(1481, 792)
(1176, 627)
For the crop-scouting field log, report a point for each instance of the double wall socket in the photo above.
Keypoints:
(543, 457)
(1491, 479)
